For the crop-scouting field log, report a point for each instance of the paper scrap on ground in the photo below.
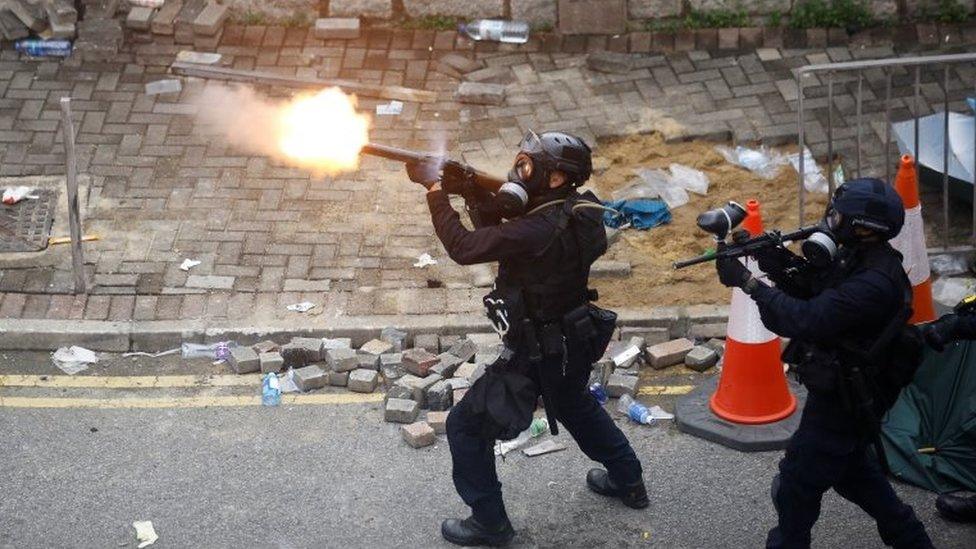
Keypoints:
(658, 413)
(286, 382)
(74, 359)
(425, 260)
(199, 57)
(303, 307)
(189, 264)
(544, 447)
(152, 355)
(392, 108)
(145, 533)
(13, 195)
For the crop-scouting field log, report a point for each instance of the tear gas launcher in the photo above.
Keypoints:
(818, 247)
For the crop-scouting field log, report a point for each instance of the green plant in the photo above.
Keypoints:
(670, 26)
(849, 14)
(297, 19)
(251, 18)
(545, 26)
(945, 11)
(717, 19)
(775, 18)
(431, 22)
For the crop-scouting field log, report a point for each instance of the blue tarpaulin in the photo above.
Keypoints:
(641, 213)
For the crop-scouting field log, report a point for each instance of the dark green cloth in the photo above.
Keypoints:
(938, 410)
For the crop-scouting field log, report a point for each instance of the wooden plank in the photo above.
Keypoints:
(257, 77)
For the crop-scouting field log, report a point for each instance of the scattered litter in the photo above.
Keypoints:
(948, 264)
(763, 162)
(270, 390)
(639, 413)
(151, 355)
(13, 195)
(286, 382)
(74, 359)
(537, 428)
(628, 353)
(689, 179)
(214, 351)
(496, 30)
(425, 260)
(145, 533)
(147, 3)
(199, 57)
(544, 447)
(189, 264)
(813, 180)
(303, 307)
(654, 184)
(54, 240)
(641, 214)
(393, 108)
(552, 484)
(170, 85)
(950, 291)
(658, 413)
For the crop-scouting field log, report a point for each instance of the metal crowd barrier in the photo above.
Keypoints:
(886, 65)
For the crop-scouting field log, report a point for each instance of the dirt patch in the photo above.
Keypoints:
(650, 253)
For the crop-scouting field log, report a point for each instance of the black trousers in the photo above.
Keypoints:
(818, 459)
(595, 432)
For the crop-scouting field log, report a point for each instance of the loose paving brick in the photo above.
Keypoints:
(429, 342)
(667, 354)
(437, 422)
(265, 346)
(376, 347)
(342, 359)
(363, 381)
(211, 19)
(398, 410)
(701, 358)
(368, 362)
(619, 385)
(271, 362)
(419, 434)
(609, 62)
(476, 93)
(394, 337)
(139, 18)
(446, 365)
(419, 361)
(336, 343)
(311, 377)
(336, 28)
(339, 379)
(439, 396)
(464, 349)
(243, 360)
(466, 370)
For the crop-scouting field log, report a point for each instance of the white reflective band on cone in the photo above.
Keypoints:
(911, 243)
(745, 325)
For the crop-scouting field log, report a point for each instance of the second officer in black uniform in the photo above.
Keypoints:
(835, 316)
(552, 332)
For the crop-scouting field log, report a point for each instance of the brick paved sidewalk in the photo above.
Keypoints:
(270, 235)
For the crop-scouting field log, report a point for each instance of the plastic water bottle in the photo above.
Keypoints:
(44, 48)
(496, 30)
(634, 410)
(538, 426)
(270, 390)
(599, 393)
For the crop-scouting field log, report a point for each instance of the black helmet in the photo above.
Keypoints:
(865, 202)
(567, 153)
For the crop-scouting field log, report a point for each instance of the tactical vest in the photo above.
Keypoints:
(554, 282)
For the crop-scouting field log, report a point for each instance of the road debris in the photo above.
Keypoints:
(172, 351)
(189, 264)
(145, 533)
(13, 195)
(199, 57)
(425, 260)
(764, 162)
(544, 447)
(303, 307)
(538, 427)
(169, 85)
(73, 359)
(270, 390)
(393, 108)
(54, 240)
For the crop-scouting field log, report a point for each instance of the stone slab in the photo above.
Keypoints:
(419, 434)
(363, 381)
(398, 410)
(243, 360)
(336, 28)
(311, 377)
(667, 354)
(438, 422)
(271, 362)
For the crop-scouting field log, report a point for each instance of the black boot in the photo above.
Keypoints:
(469, 532)
(957, 508)
(634, 496)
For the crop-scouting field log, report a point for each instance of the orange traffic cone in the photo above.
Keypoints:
(911, 243)
(752, 388)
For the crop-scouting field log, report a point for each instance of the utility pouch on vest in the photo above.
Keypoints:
(505, 309)
(551, 339)
(817, 370)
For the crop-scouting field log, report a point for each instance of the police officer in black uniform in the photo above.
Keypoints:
(552, 332)
(960, 324)
(832, 314)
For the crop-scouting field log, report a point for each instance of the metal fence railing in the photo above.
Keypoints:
(841, 71)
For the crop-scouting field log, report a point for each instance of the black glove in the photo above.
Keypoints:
(455, 178)
(424, 172)
(732, 273)
(774, 260)
(941, 332)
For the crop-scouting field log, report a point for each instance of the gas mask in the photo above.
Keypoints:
(820, 247)
(524, 182)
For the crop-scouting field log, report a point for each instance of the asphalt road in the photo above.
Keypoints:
(338, 476)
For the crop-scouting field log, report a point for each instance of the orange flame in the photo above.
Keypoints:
(323, 131)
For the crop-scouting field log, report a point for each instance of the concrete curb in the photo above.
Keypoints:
(158, 335)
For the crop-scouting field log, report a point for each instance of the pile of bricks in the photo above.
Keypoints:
(46, 19)
(196, 22)
(619, 369)
(432, 375)
(479, 85)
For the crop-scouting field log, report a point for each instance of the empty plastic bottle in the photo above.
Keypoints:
(599, 393)
(44, 48)
(496, 30)
(634, 410)
(270, 390)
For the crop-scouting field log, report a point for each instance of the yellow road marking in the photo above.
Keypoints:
(184, 402)
(649, 390)
(130, 382)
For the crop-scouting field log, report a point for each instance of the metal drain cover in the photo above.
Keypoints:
(26, 225)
